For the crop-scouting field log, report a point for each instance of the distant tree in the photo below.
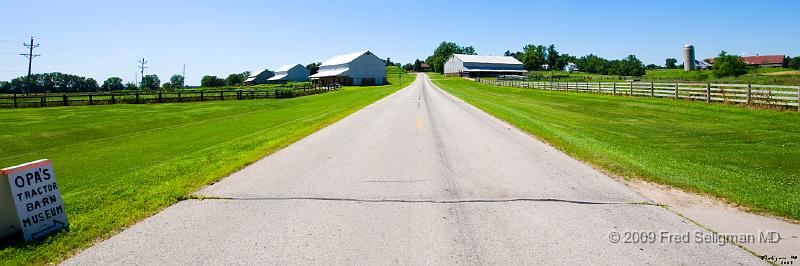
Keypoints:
(651, 66)
(417, 66)
(91, 85)
(212, 81)
(389, 62)
(408, 67)
(630, 66)
(167, 86)
(208, 81)
(113, 84)
(443, 52)
(726, 65)
(236, 79)
(552, 58)
(670, 63)
(469, 50)
(131, 86)
(793, 62)
(533, 57)
(150, 82)
(5, 87)
(176, 81)
(313, 68)
(51, 82)
(564, 59)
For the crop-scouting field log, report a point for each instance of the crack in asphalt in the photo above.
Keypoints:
(459, 201)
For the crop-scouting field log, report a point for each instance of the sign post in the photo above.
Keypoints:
(29, 193)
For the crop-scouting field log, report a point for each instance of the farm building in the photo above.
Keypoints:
(424, 67)
(482, 66)
(701, 64)
(296, 73)
(761, 60)
(259, 77)
(765, 60)
(359, 68)
(571, 67)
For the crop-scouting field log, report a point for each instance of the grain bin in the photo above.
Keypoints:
(688, 58)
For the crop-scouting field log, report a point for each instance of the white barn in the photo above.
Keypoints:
(296, 73)
(571, 67)
(482, 66)
(359, 68)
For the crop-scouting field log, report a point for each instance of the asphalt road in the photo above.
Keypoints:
(418, 177)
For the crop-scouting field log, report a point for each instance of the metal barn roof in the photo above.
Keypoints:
(329, 73)
(286, 67)
(488, 59)
(278, 77)
(494, 70)
(343, 59)
(255, 73)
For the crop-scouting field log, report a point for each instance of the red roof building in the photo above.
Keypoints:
(760, 60)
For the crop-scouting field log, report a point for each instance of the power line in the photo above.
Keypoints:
(30, 57)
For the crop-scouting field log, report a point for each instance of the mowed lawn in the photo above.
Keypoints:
(118, 164)
(749, 157)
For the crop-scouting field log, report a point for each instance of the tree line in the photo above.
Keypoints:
(232, 80)
(540, 57)
(57, 82)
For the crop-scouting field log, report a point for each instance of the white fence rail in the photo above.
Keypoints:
(772, 95)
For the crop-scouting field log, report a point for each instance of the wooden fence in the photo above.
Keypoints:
(141, 97)
(771, 95)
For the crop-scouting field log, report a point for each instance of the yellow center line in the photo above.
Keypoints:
(419, 122)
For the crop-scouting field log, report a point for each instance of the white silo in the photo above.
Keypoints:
(688, 58)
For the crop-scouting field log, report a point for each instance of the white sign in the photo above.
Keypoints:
(36, 197)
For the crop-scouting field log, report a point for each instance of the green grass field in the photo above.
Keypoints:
(748, 157)
(767, 76)
(118, 164)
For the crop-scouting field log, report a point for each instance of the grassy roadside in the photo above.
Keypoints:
(118, 164)
(767, 76)
(749, 157)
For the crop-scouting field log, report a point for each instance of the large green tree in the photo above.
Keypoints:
(726, 65)
(533, 57)
(444, 51)
(113, 84)
(793, 62)
(211, 81)
(552, 58)
(131, 86)
(150, 82)
(237, 79)
(671, 63)
(176, 81)
(313, 68)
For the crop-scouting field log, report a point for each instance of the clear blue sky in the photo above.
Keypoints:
(106, 38)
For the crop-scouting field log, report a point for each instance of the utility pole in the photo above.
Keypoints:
(142, 67)
(30, 57)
